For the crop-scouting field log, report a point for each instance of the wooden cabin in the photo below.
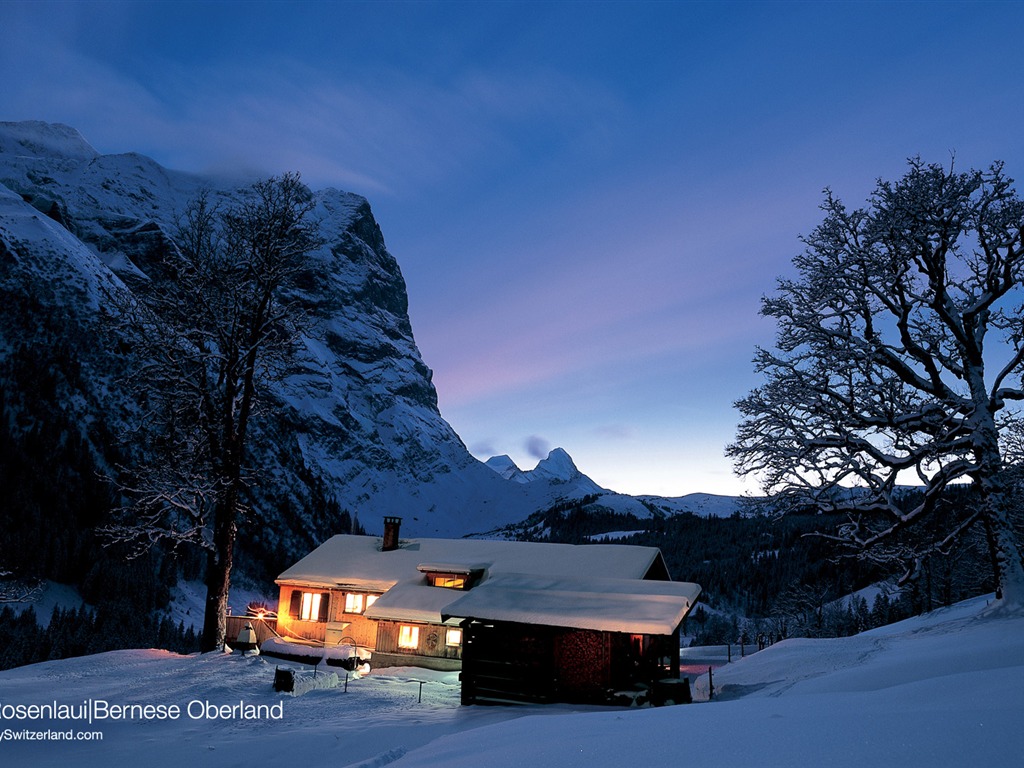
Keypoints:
(523, 621)
(540, 639)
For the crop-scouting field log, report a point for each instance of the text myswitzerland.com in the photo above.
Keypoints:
(9, 734)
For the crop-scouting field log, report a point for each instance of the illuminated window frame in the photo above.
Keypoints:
(453, 637)
(310, 608)
(304, 605)
(354, 602)
(447, 580)
(408, 637)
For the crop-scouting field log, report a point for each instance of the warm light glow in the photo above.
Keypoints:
(353, 603)
(447, 580)
(453, 637)
(409, 637)
(310, 606)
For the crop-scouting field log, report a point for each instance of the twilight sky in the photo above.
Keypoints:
(587, 199)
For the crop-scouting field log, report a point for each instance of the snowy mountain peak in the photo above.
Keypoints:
(558, 466)
(35, 138)
(507, 468)
(558, 469)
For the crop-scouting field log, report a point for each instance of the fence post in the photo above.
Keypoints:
(711, 685)
(420, 699)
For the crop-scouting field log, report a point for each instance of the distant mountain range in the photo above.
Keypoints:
(354, 426)
(559, 471)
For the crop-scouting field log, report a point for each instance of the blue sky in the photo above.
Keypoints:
(587, 199)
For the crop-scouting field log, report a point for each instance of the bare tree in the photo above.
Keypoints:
(212, 333)
(899, 356)
(14, 590)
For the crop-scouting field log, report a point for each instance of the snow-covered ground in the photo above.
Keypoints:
(941, 690)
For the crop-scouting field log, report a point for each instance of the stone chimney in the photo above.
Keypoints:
(391, 526)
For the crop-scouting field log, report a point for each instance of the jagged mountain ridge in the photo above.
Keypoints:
(557, 468)
(559, 471)
(357, 417)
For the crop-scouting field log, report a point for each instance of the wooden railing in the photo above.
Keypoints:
(265, 627)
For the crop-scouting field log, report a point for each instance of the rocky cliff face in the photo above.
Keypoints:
(356, 419)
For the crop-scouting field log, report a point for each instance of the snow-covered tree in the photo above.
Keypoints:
(213, 329)
(898, 362)
(14, 590)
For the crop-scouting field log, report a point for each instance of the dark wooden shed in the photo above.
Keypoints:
(510, 662)
(529, 639)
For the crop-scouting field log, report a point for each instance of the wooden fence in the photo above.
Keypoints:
(265, 628)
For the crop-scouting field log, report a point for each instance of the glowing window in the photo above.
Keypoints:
(353, 603)
(310, 606)
(453, 637)
(409, 637)
(448, 580)
(371, 599)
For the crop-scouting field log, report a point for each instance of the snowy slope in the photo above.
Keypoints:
(934, 691)
(700, 504)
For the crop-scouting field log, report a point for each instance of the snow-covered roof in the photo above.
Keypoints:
(460, 568)
(357, 562)
(413, 602)
(608, 605)
(591, 586)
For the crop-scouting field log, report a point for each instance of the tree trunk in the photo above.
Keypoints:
(995, 496)
(1009, 571)
(218, 576)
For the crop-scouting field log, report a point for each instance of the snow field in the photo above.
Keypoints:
(935, 691)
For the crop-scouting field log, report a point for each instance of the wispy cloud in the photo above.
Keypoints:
(538, 447)
(385, 134)
(616, 432)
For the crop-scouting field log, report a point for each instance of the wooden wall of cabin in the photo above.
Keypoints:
(432, 640)
(333, 625)
(359, 631)
(289, 625)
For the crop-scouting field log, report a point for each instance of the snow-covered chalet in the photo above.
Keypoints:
(524, 621)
